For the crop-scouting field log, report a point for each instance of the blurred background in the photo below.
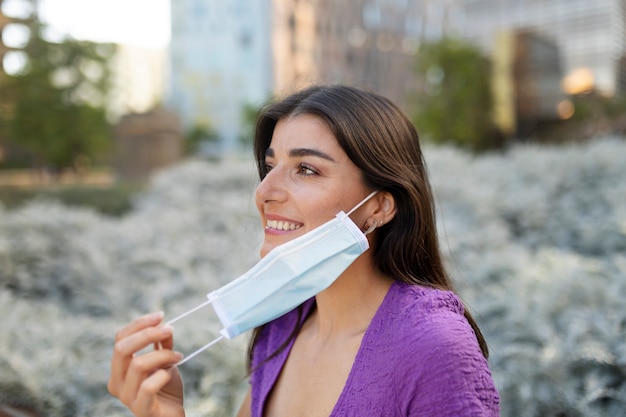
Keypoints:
(113, 90)
(126, 179)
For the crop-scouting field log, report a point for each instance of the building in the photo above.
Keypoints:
(224, 55)
(526, 82)
(220, 61)
(228, 54)
(590, 35)
(147, 142)
(371, 43)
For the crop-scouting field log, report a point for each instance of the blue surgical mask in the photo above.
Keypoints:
(286, 277)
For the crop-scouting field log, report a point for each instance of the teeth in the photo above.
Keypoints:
(282, 225)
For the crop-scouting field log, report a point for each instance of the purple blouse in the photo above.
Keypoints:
(418, 357)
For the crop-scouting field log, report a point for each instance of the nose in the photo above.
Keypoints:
(271, 188)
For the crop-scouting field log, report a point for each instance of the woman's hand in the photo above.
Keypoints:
(146, 383)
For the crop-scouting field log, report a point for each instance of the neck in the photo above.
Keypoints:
(349, 304)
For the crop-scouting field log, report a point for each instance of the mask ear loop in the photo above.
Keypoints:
(203, 348)
(197, 352)
(372, 194)
(185, 314)
(371, 228)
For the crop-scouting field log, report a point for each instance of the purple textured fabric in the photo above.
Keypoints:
(418, 357)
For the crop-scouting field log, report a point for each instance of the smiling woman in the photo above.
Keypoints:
(305, 166)
(385, 334)
(389, 337)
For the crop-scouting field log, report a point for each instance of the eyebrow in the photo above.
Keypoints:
(296, 152)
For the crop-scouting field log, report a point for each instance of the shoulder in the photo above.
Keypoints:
(418, 312)
(442, 366)
(427, 300)
(432, 324)
(428, 321)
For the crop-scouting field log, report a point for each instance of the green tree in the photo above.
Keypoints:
(249, 114)
(454, 104)
(198, 135)
(58, 101)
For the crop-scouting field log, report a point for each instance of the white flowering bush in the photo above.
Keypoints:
(69, 278)
(535, 239)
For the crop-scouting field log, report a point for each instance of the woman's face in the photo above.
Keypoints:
(309, 180)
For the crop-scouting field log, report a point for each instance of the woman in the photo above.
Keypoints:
(388, 337)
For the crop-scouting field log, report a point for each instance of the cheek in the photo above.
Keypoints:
(359, 221)
(322, 214)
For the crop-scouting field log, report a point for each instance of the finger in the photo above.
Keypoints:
(149, 320)
(125, 349)
(164, 344)
(144, 338)
(167, 343)
(142, 367)
(150, 387)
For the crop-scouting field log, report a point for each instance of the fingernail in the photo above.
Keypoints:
(158, 316)
(178, 355)
(167, 329)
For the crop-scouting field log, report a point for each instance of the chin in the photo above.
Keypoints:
(275, 241)
(265, 249)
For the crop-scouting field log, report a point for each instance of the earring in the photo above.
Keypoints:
(370, 229)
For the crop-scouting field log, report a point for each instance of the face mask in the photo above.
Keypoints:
(286, 277)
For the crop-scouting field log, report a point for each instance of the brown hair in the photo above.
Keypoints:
(382, 142)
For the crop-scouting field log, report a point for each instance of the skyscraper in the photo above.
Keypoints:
(220, 60)
(590, 34)
(225, 54)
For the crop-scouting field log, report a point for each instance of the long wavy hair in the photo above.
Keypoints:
(383, 143)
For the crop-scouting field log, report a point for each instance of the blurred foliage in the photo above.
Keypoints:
(249, 114)
(114, 200)
(197, 135)
(454, 103)
(592, 105)
(595, 115)
(56, 104)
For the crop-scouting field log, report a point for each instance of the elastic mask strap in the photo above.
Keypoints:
(175, 319)
(203, 348)
(197, 352)
(372, 194)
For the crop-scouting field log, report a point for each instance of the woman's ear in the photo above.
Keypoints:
(386, 207)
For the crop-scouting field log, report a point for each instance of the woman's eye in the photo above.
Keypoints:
(267, 168)
(306, 170)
